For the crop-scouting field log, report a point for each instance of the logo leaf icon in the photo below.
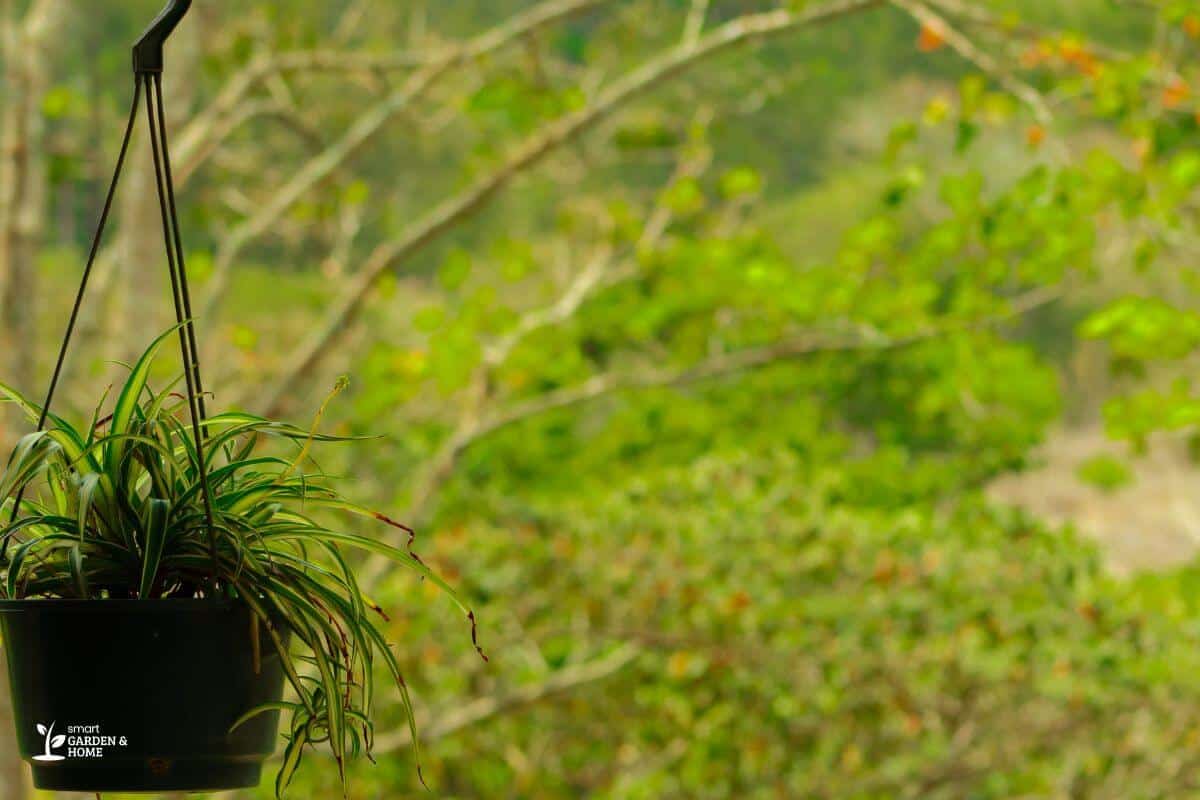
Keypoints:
(58, 740)
(41, 729)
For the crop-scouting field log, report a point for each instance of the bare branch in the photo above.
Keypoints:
(599, 273)
(727, 364)
(582, 287)
(962, 45)
(342, 61)
(439, 725)
(214, 137)
(200, 132)
(532, 151)
(370, 123)
(980, 16)
(207, 129)
(439, 468)
(860, 339)
(863, 339)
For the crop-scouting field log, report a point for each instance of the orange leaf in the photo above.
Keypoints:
(1037, 54)
(1070, 49)
(739, 601)
(931, 38)
(1191, 26)
(1176, 93)
(1035, 135)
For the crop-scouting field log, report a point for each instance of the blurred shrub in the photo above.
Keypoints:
(789, 648)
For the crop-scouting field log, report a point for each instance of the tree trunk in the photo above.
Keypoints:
(23, 182)
(27, 68)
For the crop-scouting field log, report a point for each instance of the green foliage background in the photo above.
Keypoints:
(724, 518)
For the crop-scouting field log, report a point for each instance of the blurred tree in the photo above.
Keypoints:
(711, 469)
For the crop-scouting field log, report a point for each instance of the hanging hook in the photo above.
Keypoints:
(148, 52)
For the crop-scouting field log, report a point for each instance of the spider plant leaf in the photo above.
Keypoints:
(264, 708)
(93, 427)
(285, 658)
(112, 508)
(381, 548)
(88, 486)
(75, 559)
(29, 447)
(252, 423)
(249, 425)
(31, 410)
(60, 429)
(291, 760)
(75, 449)
(160, 400)
(129, 398)
(244, 501)
(34, 520)
(349, 611)
(335, 720)
(14, 567)
(228, 473)
(393, 666)
(157, 511)
(58, 478)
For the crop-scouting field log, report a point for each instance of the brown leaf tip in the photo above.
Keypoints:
(475, 637)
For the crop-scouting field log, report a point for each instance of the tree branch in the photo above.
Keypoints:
(528, 154)
(979, 16)
(438, 469)
(367, 125)
(720, 366)
(962, 45)
(598, 274)
(439, 725)
(863, 339)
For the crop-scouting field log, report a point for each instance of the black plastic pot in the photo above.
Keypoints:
(140, 694)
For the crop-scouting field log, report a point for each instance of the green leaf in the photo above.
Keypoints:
(963, 193)
(1105, 473)
(429, 319)
(155, 527)
(356, 193)
(76, 562)
(741, 182)
(127, 401)
(684, 197)
(291, 760)
(454, 269)
(88, 486)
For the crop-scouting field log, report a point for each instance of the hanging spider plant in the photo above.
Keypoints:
(115, 512)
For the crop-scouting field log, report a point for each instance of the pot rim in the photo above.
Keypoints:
(164, 605)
